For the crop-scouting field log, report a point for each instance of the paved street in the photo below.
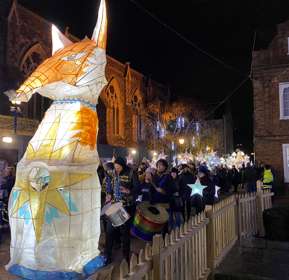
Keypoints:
(4, 258)
(256, 259)
(4, 254)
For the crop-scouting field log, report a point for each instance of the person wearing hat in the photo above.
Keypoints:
(121, 186)
(163, 182)
(205, 180)
(176, 202)
(146, 187)
(186, 178)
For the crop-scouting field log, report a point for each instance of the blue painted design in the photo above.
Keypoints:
(24, 212)
(94, 265)
(50, 214)
(75, 100)
(68, 199)
(15, 195)
(30, 274)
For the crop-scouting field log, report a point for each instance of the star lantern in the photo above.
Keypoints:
(197, 188)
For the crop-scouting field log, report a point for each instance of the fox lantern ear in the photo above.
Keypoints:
(59, 41)
(100, 31)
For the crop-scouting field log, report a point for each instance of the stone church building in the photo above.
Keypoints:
(271, 103)
(128, 107)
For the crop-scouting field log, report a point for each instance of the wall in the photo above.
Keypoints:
(271, 67)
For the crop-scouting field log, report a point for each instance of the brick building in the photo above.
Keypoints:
(271, 103)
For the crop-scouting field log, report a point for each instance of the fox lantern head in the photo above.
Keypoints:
(73, 65)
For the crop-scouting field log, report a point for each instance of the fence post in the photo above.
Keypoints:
(156, 250)
(238, 217)
(260, 209)
(211, 239)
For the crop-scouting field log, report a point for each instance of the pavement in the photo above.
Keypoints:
(4, 258)
(5, 254)
(256, 259)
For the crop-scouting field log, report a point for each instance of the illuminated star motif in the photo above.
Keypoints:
(197, 188)
(217, 191)
(47, 192)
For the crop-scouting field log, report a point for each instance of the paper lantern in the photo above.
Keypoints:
(55, 204)
(217, 191)
(197, 188)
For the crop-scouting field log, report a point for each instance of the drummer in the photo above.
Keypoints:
(121, 186)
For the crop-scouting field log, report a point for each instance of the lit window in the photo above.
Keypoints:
(286, 162)
(284, 100)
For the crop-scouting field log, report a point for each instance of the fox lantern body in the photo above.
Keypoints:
(54, 206)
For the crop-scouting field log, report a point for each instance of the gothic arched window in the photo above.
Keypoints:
(31, 59)
(137, 119)
(115, 110)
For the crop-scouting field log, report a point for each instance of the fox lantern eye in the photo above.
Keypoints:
(73, 57)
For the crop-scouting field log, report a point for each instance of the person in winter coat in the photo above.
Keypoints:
(186, 178)
(120, 186)
(209, 191)
(268, 178)
(176, 202)
(250, 178)
(236, 178)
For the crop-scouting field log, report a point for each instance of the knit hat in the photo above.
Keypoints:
(175, 170)
(121, 161)
(149, 170)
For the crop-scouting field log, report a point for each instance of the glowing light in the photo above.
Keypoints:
(183, 122)
(217, 191)
(194, 141)
(7, 139)
(133, 152)
(16, 102)
(162, 133)
(179, 124)
(181, 141)
(155, 154)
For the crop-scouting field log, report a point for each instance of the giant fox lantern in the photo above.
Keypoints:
(54, 206)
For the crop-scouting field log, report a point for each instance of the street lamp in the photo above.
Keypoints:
(7, 139)
(181, 141)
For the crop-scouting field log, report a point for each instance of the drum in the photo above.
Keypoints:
(117, 214)
(149, 220)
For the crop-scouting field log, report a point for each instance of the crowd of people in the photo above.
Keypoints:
(165, 187)
(169, 188)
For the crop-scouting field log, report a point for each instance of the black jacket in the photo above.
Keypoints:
(185, 179)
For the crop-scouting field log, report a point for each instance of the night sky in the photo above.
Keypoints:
(223, 28)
